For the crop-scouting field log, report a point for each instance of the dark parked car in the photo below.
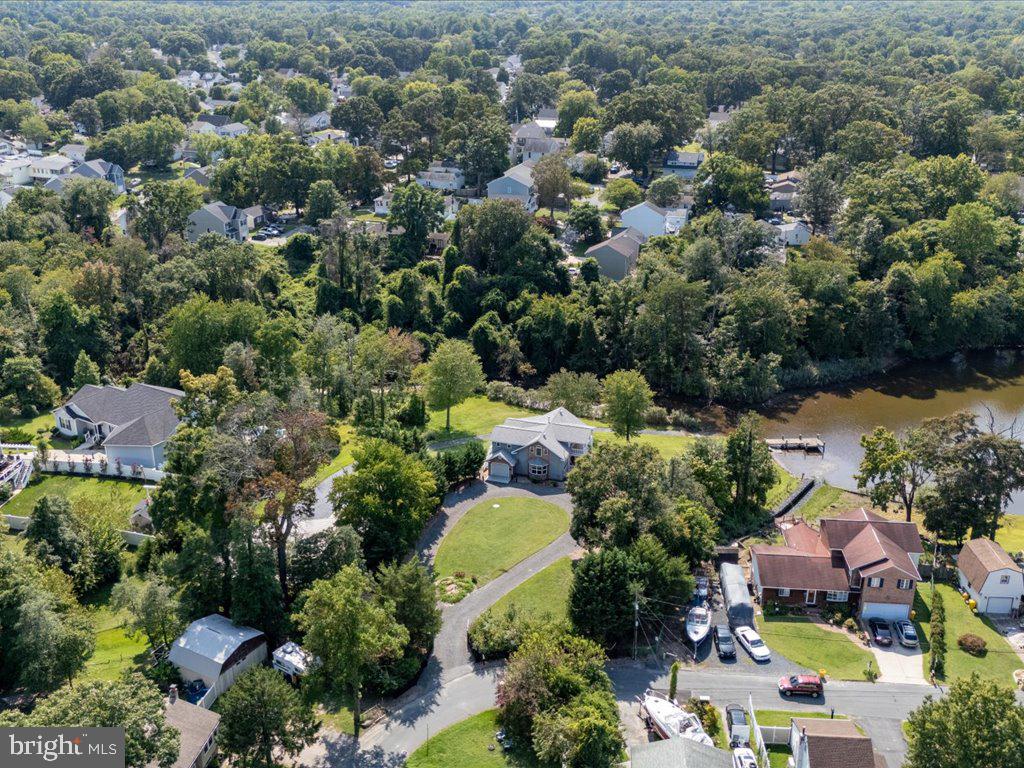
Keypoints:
(803, 685)
(881, 634)
(906, 634)
(724, 643)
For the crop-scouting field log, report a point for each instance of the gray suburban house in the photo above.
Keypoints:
(616, 257)
(515, 184)
(131, 425)
(219, 218)
(541, 447)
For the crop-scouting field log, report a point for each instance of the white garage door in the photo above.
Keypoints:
(999, 605)
(500, 472)
(885, 611)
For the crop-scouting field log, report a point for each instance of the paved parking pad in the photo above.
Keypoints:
(897, 664)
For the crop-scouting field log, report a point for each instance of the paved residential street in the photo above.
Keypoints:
(452, 687)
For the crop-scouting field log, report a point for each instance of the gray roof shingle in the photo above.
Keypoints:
(678, 753)
(142, 414)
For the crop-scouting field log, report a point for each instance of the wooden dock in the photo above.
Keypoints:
(798, 443)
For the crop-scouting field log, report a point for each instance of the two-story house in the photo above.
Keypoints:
(541, 447)
(45, 168)
(515, 184)
(859, 558)
(220, 218)
(91, 169)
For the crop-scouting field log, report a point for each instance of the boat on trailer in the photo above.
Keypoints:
(671, 721)
(698, 624)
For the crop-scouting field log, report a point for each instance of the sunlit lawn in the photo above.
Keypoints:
(469, 744)
(498, 533)
(116, 649)
(335, 712)
(1000, 660)
(824, 502)
(476, 416)
(666, 445)
(780, 718)
(35, 426)
(545, 594)
(347, 440)
(811, 646)
(92, 496)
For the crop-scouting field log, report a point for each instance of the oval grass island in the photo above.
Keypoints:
(498, 533)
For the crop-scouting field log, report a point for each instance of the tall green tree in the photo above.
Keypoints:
(978, 722)
(263, 719)
(387, 499)
(132, 703)
(627, 398)
(349, 631)
(452, 374)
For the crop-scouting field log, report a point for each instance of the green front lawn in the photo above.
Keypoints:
(476, 416)
(335, 711)
(1011, 533)
(91, 496)
(1000, 661)
(496, 534)
(809, 645)
(469, 744)
(780, 718)
(544, 594)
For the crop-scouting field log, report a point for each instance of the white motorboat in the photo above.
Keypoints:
(671, 721)
(698, 624)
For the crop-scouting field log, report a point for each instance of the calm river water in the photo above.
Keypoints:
(991, 382)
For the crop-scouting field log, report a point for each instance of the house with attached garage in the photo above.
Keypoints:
(991, 577)
(219, 218)
(859, 558)
(541, 447)
(132, 425)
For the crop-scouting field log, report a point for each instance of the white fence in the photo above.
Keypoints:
(96, 464)
(19, 523)
(17, 447)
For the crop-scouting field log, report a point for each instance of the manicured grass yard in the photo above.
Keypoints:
(785, 484)
(544, 594)
(778, 756)
(482, 543)
(476, 416)
(667, 445)
(34, 426)
(1011, 533)
(116, 650)
(809, 645)
(92, 496)
(465, 745)
(997, 664)
(821, 503)
(347, 440)
(780, 718)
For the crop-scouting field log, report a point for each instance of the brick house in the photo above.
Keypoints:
(858, 558)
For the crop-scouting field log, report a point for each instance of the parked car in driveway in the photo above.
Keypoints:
(906, 634)
(724, 644)
(737, 726)
(880, 632)
(744, 758)
(801, 685)
(753, 644)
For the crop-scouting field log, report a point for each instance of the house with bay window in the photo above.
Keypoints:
(541, 447)
(859, 558)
